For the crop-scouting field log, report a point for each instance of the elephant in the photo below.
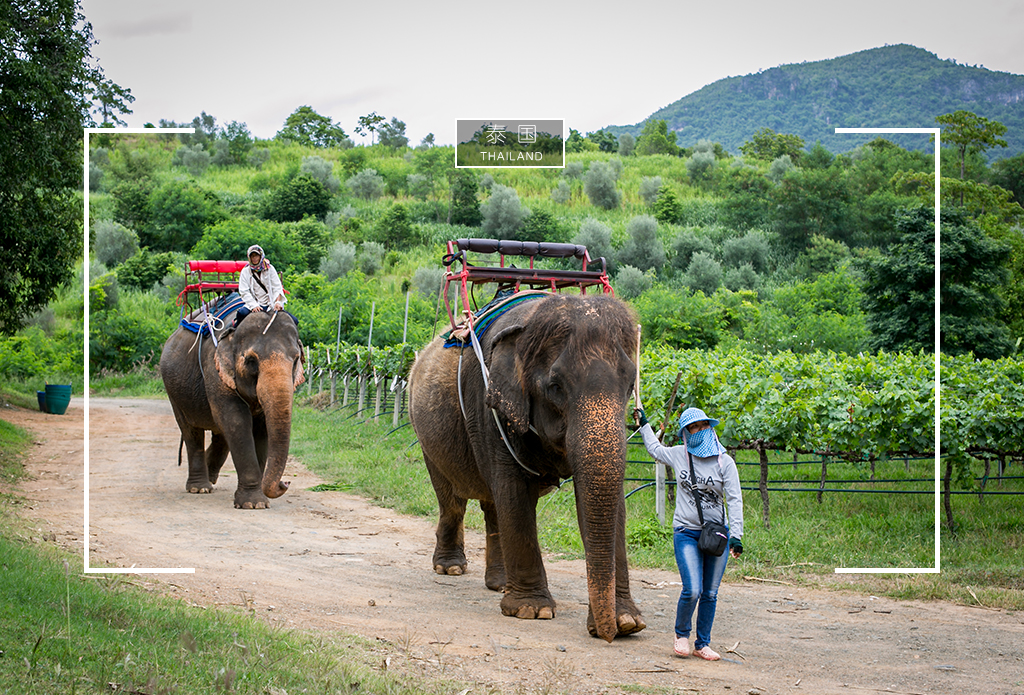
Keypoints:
(559, 375)
(241, 391)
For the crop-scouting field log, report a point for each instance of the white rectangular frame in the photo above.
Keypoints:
(85, 291)
(936, 134)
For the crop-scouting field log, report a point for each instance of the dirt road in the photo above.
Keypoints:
(332, 562)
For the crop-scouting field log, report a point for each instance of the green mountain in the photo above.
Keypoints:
(891, 87)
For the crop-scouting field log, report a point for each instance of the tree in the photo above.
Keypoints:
(395, 229)
(704, 273)
(767, 145)
(367, 184)
(307, 127)
(649, 187)
(239, 141)
(178, 215)
(667, 208)
(302, 196)
(751, 249)
(231, 239)
(632, 282)
(321, 170)
(465, 207)
(599, 185)
(340, 259)
(627, 144)
(970, 133)
(597, 237)
(643, 250)
(114, 243)
(393, 135)
(370, 123)
(656, 138)
(899, 289)
(48, 88)
(503, 213)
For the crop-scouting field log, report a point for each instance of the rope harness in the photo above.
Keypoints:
(484, 321)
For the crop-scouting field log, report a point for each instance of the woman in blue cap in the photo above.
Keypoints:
(718, 484)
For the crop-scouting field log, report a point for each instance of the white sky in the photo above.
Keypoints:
(590, 64)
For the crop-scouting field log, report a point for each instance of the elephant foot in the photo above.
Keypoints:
(199, 488)
(494, 578)
(251, 499)
(528, 608)
(451, 570)
(628, 620)
(451, 562)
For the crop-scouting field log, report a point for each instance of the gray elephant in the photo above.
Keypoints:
(559, 374)
(241, 391)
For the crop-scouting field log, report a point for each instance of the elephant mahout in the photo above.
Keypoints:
(559, 374)
(240, 390)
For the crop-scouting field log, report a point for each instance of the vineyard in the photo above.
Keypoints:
(863, 410)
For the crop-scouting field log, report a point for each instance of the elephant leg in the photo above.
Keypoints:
(526, 582)
(237, 425)
(216, 454)
(494, 575)
(627, 615)
(260, 440)
(450, 549)
(195, 444)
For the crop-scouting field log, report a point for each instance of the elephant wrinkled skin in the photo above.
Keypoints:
(560, 374)
(241, 391)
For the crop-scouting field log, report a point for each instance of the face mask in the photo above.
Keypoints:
(703, 443)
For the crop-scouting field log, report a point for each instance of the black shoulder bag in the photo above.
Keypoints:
(714, 537)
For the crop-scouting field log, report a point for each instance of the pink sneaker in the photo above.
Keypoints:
(707, 653)
(682, 646)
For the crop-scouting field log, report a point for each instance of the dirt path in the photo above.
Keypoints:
(332, 562)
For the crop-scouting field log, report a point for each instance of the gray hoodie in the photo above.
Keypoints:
(716, 477)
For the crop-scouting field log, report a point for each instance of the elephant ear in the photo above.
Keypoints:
(506, 392)
(224, 358)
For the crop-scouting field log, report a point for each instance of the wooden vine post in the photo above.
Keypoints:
(762, 454)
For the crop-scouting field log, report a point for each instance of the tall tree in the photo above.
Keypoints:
(370, 123)
(970, 133)
(49, 87)
(392, 135)
(899, 288)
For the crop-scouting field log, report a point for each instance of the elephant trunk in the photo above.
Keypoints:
(597, 453)
(274, 390)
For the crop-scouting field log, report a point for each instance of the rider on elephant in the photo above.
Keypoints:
(260, 286)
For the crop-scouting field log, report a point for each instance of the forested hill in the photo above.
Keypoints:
(891, 87)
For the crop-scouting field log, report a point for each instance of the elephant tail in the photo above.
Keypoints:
(181, 443)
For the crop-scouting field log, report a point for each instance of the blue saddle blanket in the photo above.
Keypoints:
(221, 308)
(492, 310)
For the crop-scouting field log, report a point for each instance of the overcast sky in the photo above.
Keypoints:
(588, 63)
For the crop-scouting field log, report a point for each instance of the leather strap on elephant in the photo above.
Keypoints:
(497, 420)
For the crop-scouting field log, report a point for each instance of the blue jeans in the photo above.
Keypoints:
(701, 575)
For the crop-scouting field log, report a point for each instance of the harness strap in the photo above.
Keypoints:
(497, 421)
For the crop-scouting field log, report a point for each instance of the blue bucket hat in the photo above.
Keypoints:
(692, 415)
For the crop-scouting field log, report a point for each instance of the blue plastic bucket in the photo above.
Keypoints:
(57, 398)
(41, 396)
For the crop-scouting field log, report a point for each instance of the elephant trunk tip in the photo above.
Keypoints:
(274, 491)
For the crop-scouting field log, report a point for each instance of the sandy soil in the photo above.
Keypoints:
(332, 562)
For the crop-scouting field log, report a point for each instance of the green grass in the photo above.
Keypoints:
(65, 632)
(805, 542)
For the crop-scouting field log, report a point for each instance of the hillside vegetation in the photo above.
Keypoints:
(785, 248)
(897, 86)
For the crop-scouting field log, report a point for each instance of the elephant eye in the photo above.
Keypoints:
(555, 392)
